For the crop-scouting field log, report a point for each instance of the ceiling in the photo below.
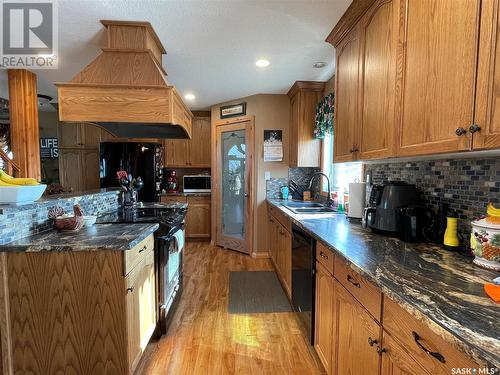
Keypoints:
(211, 46)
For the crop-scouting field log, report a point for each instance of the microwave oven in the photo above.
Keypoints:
(197, 183)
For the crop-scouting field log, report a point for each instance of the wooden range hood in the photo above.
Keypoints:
(125, 90)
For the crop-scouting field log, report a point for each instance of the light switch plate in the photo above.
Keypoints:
(267, 175)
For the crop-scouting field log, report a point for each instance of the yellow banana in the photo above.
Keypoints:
(16, 181)
(2, 183)
(492, 211)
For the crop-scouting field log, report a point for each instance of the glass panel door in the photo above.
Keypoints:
(233, 184)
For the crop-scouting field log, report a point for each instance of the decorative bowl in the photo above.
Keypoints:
(485, 244)
(66, 222)
(89, 220)
(21, 194)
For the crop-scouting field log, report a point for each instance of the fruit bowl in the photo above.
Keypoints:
(21, 194)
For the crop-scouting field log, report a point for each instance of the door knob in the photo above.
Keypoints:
(246, 195)
(460, 131)
(474, 128)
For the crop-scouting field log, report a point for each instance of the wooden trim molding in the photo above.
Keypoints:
(348, 20)
(306, 85)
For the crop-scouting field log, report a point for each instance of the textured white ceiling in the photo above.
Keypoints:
(211, 45)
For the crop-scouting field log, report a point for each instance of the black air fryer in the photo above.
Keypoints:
(386, 201)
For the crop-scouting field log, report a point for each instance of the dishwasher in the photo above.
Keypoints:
(303, 279)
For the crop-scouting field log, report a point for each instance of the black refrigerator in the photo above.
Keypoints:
(138, 159)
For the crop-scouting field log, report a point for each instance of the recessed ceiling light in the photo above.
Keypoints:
(319, 64)
(189, 97)
(262, 63)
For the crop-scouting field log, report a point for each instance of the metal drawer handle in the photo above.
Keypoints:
(131, 289)
(381, 350)
(353, 282)
(144, 248)
(323, 255)
(436, 355)
(371, 341)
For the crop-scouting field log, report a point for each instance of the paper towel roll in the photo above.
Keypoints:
(357, 194)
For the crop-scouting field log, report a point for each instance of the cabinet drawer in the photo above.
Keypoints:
(324, 256)
(282, 219)
(135, 255)
(172, 199)
(420, 340)
(364, 291)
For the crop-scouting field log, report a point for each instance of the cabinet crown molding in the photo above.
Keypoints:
(306, 85)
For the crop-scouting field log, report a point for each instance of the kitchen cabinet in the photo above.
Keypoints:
(190, 153)
(80, 135)
(356, 335)
(79, 169)
(103, 323)
(378, 31)
(486, 131)
(396, 360)
(346, 98)
(323, 325)
(437, 95)
(199, 214)
(198, 217)
(305, 150)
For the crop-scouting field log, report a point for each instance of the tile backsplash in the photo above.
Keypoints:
(467, 185)
(300, 175)
(20, 221)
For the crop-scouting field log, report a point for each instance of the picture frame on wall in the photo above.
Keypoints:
(273, 145)
(233, 110)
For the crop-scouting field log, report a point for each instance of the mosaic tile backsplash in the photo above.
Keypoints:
(300, 175)
(467, 185)
(20, 221)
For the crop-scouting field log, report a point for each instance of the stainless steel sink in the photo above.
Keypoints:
(308, 208)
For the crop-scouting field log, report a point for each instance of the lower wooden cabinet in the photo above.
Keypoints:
(356, 336)
(396, 360)
(81, 314)
(323, 327)
(280, 251)
(199, 214)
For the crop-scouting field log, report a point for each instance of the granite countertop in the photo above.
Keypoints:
(439, 287)
(119, 237)
(183, 194)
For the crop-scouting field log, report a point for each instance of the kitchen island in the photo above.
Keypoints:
(440, 289)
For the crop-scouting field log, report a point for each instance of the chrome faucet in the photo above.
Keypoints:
(329, 201)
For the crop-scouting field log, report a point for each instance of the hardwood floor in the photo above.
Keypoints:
(204, 339)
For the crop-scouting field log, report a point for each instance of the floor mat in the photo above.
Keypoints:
(256, 292)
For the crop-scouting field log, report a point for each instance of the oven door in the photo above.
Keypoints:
(169, 275)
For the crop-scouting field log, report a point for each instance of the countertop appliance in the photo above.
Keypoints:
(383, 212)
(138, 159)
(169, 248)
(200, 183)
(303, 279)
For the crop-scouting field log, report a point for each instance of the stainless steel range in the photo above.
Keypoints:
(169, 246)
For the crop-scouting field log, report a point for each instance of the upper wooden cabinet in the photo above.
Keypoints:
(305, 150)
(194, 152)
(415, 78)
(487, 114)
(439, 62)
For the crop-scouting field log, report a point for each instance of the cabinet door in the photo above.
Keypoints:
(70, 169)
(487, 115)
(90, 169)
(346, 98)
(379, 37)
(439, 63)
(294, 135)
(91, 135)
(354, 332)
(273, 239)
(309, 148)
(133, 318)
(396, 361)
(323, 330)
(198, 217)
(176, 153)
(286, 267)
(199, 145)
(70, 134)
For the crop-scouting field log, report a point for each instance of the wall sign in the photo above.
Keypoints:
(49, 148)
(273, 145)
(233, 110)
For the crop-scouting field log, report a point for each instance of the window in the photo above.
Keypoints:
(341, 173)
